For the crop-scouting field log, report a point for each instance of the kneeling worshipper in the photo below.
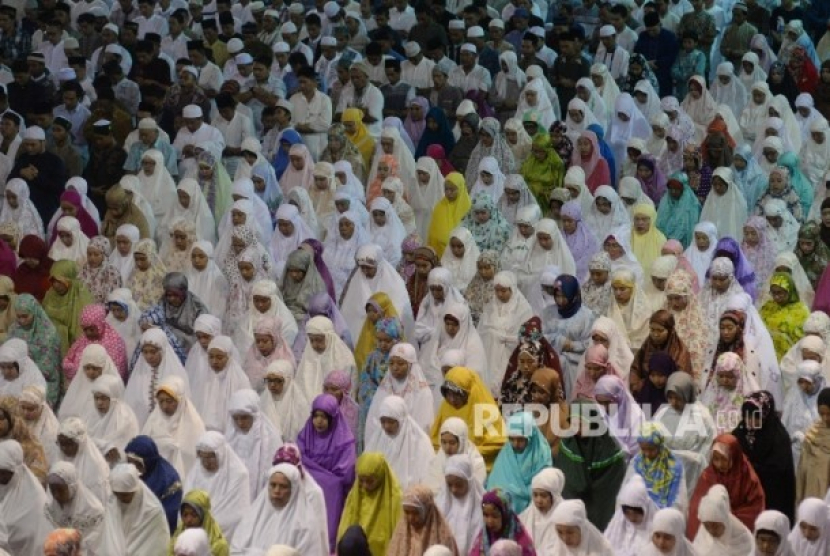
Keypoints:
(137, 512)
(374, 503)
(500, 523)
(324, 352)
(157, 473)
(158, 361)
(18, 369)
(115, 423)
(525, 454)
(96, 330)
(281, 514)
(459, 501)
(811, 533)
(454, 440)
(252, 436)
(223, 475)
(205, 279)
(282, 401)
(95, 362)
(731, 468)
(23, 501)
(722, 532)
(77, 447)
(71, 505)
(218, 382)
(196, 515)
(630, 528)
(402, 441)
(175, 425)
(667, 536)
(17, 429)
(661, 471)
(421, 526)
(576, 533)
(772, 532)
(546, 490)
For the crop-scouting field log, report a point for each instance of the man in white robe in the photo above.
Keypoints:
(469, 76)
(194, 137)
(416, 70)
(612, 54)
(234, 127)
(312, 113)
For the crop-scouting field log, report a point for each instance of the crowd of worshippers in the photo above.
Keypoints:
(459, 278)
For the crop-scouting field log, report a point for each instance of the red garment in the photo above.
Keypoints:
(595, 166)
(746, 495)
(34, 281)
(531, 332)
(88, 226)
(806, 77)
(96, 315)
(440, 155)
(822, 299)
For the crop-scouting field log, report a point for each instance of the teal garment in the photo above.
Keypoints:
(677, 218)
(798, 181)
(512, 471)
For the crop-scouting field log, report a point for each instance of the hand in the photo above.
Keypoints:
(29, 172)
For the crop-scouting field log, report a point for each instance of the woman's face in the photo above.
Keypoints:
(148, 166)
(728, 331)
(482, 216)
(658, 334)
(66, 238)
(544, 240)
(568, 225)
(583, 144)
(758, 97)
(217, 359)
(622, 294)
(457, 486)
(751, 236)
(570, 535)
(297, 162)
(719, 185)
(613, 248)
(457, 248)
(702, 241)
(152, 355)
(492, 518)
(644, 173)
(389, 195)
(485, 138)
(779, 295)
(642, 223)
(777, 184)
(450, 191)
(69, 209)
(346, 228)
(205, 172)
(379, 218)
(388, 145)
(807, 246)
(142, 262)
(11, 198)
(486, 177)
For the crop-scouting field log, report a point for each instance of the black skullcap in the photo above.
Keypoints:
(824, 397)
(392, 63)
(651, 19)
(225, 18)
(195, 45)
(76, 60)
(224, 100)
(152, 37)
(63, 122)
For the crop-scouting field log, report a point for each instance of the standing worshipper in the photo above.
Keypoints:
(679, 210)
(44, 172)
(138, 512)
(660, 48)
(784, 314)
(811, 480)
(34, 327)
(65, 300)
(156, 472)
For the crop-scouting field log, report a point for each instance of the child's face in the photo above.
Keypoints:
(275, 384)
(264, 344)
(198, 259)
(701, 241)
(141, 261)
(599, 277)
(320, 421)
(659, 380)
(457, 248)
(246, 270)
(66, 238)
(94, 257)
(398, 368)
(688, 45)
(727, 380)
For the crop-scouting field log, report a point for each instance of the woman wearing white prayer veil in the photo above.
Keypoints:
(386, 229)
(812, 347)
(72, 506)
(805, 102)
(342, 244)
(780, 108)
(115, 424)
(131, 183)
(706, 235)
(282, 401)
(516, 249)
(668, 536)
(576, 534)
(772, 529)
(454, 437)
(373, 274)
(606, 213)
(488, 169)
(650, 105)
(578, 118)
(158, 361)
(265, 301)
(631, 308)
(137, 512)
(40, 419)
(175, 425)
(324, 352)
(617, 244)
(536, 73)
(508, 83)
(546, 488)
(156, 184)
(728, 89)
(725, 206)
(587, 92)
(348, 181)
(192, 206)
(206, 280)
(725, 113)
(757, 109)
(281, 514)
(625, 535)
(16, 352)
(224, 376)
(77, 448)
(405, 445)
(22, 504)
(699, 105)
(252, 436)
(516, 196)
(95, 362)
(715, 294)
(19, 208)
(503, 315)
(534, 98)
(462, 267)
(126, 238)
(301, 199)
(392, 143)
(689, 428)
(635, 125)
(223, 475)
(815, 161)
(243, 188)
(406, 380)
(517, 139)
(813, 515)
(424, 192)
(548, 248)
(773, 126)
(606, 87)
(76, 251)
(714, 513)
(291, 231)
(783, 229)
(800, 406)
(455, 330)
(459, 497)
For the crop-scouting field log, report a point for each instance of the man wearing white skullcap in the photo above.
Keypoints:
(194, 137)
(269, 34)
(417, 69)
(611, 54)
(149, 137)
(109, 36)
(326, 65)
(290, 34)
(360, 93)
(469, 76)
(44, 172)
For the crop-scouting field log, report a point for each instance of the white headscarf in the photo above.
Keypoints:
(814, 512)
(141, 388)
(130, 183)
(176, 435)
(16, 350)
(815, 162)
(353, 185)
(402, 154)
(651, 107)
(754, 114)
(574, 129)
(558, 255)
(701, 110)
(463, 269)
(805, 100)
(458, 429)
(536, 73)
(78, 399)
(785, 237)
(595, 102)
(671, 522)
(540, 526)
(603, 224)
(79, 185)
(626, 536)
(733, 94)
(800, 409)
(543, 107)
(515, 251)
(90, 464)
(75, 252)
(409, 452)
(142, 521)
(118, 425)
(609, 91)
(515, 182)
(466, 339)
(197, 211)
(496, 189)
(389, 236)
(45, 428)
(514, 73)
(158, 188)
(125, 263)
(281, 246)
(728, 212)
(210, 285)
(778, 523)
(244, 335)
(340, 254)
(257, 446)
(302, 200)
(700, 260)
(22, 503)
(633, 318)
(424, 197)
(782, 107)
(297, 524)
(192, 542)
(572, 513)
(619, 131)
(812, 342)
(313, 366)
(228, 486)
(736, 539)
(463, 515)
(25, 215)
(212, 394)
(290, 410)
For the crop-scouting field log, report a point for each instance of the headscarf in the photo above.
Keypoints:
(736, 539)
(463, 514)
(64, 310)
(448, 214)
(811, 511)
(511, 527)
(619, 131)
(26, 215)
(663, 474)
(500, 150)
(406, 541)
(442, 136)
(625, 424)
(416, 129)
(361, 138)
(291, 177)
(199, 502)
(572, 513)
(160, 477)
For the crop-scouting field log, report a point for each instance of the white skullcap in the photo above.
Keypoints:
(281, 48)
(257, 6)
(474, 32)
(113, 49)
(191, 70)
(469, 47)
(112, 27)
(496, 23)
(70, 43)
(412, 48)
(289, 28)
(538, 31)
(607, 31)
(235, 46)
(272, 13)
(192, 111)
(148, 123)
(331, 9)
(328, 41)
(66, 74)
(456, 24)
(296, 8)
(243, 59)
(34, 132)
